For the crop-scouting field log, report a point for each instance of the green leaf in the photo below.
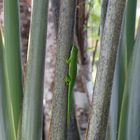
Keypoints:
(118, 86)
(12, 69)
(2, 118)
(133, 111)
(33, 96)
(124, 54)
(130, 31)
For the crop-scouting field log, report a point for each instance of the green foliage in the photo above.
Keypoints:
(120, 96)
(12, 69)
(93, 10)
(11, 89)
(123, 123)
(129, 119)
(2, 120)
(33, 96)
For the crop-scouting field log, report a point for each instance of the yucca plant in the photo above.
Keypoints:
(118, 121)
(21, 105)
(21, 113)
(123, 122)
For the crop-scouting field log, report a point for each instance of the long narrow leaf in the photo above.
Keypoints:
(133, 110)
(2, 125)
(124, 54)
(12, 66)
(118, 86)
(130, 34)
(133, 125)
(33, 96)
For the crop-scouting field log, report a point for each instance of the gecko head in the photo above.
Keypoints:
(74, 50)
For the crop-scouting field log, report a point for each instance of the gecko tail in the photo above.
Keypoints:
(69, 106)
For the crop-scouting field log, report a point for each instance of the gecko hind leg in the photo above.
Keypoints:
(67, 79)
(68, 60)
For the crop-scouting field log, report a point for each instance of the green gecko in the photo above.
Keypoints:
(70, 78)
